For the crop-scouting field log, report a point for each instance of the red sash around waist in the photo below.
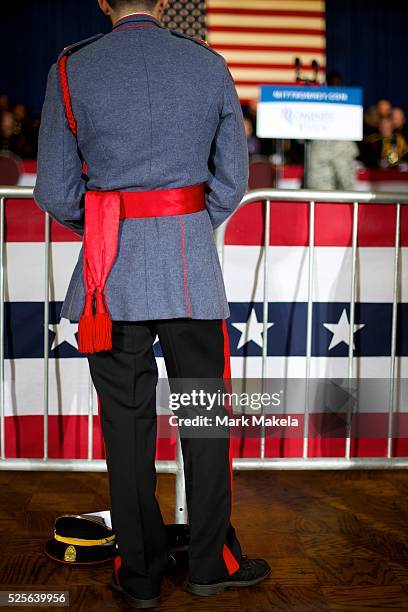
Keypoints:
(103, 211)
(162, 203)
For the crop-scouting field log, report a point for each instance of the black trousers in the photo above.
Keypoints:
(125, 379)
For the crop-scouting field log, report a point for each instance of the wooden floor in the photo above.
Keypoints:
(335, 540)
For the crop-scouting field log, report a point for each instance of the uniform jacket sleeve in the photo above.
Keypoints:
(60, 188)
(228, 164)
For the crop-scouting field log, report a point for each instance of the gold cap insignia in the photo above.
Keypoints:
(70, 553)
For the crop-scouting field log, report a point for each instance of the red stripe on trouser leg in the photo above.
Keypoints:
(229, 559)
(227, 357)
(117, 564)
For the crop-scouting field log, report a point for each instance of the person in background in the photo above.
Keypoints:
(267, 146)
(24, 132)
(20, 113)
(385, 149)
(384, 108)
(331, 162)
(334, 79)
(371, 120)
(399, 121)
(17, 134)
(8, 140)
(254, 144)
(4, 103)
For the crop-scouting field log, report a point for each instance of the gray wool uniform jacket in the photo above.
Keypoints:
(154, 110)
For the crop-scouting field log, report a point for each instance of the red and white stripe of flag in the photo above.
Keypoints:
(260, 39)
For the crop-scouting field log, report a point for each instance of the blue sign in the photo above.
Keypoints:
(310, 113)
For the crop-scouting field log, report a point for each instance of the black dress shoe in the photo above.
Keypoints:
(251, 572)
(131, 600)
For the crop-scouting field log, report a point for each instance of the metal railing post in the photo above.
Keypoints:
(181, 515)
(46, 331)
(309, 331)
(2, 378)
(90, 419)
(394, 330)
(265, 319)
(349, 420)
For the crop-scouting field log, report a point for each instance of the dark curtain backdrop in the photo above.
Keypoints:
(366, 42)
(33, 33)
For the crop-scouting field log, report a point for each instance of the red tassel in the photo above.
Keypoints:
(103, 326)
(86, 327)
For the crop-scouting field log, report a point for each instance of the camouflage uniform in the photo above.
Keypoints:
(331, 165)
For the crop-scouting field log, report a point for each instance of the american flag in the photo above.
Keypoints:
(260, 39)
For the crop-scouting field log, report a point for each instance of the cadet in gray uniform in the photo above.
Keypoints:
(142, 151)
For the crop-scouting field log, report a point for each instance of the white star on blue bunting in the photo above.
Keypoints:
(341, 330)
(64, 332)
(251, 331)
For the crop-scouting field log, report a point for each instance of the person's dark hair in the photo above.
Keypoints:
(147, 5)
(334, 78)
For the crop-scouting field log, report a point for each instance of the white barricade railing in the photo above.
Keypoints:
(266, 196)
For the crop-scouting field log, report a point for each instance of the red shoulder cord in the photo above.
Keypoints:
(62, 69)
(95, 325)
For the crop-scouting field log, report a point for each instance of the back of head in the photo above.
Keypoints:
(386, 128)
(398, 117)
(117, 9)
(384, 108)
(334, 79)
